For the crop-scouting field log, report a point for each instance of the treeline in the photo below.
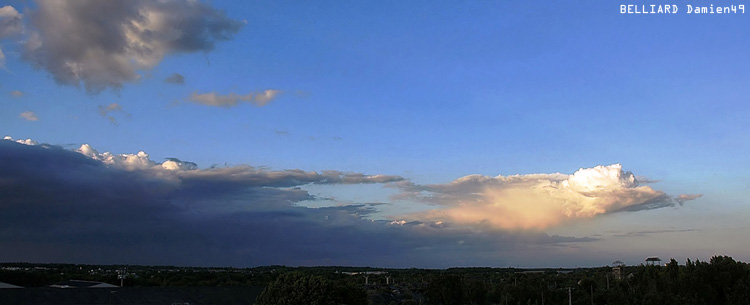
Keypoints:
(722, 280)
(40, 275)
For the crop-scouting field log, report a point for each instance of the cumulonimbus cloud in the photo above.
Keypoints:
(537, 201)
(104, 44)
(233, 99)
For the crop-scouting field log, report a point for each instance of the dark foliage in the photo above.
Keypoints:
(720, 281)
(298, 288)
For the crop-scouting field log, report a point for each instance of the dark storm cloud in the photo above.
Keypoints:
(103, 44)
(81, 206)
(52, 196)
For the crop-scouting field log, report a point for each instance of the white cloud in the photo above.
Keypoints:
(130, 162)
(103, 44)
(265, 97)
(535, 201)
(232, 99)
(10, 21)
(29, 116)
(174, 164)
(27, 141)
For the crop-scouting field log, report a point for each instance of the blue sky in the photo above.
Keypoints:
(422, 93)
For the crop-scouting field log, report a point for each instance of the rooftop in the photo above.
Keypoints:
(82, 284)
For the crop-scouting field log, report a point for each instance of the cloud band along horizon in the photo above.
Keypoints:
(85, 206)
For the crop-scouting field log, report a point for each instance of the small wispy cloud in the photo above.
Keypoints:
(686, 197)
(233, 99)
(2, 58)
(107, 112)
(176, 78)
(651, 232)
(646, 180)
(265, 97)
(29, 116)
(16, 93)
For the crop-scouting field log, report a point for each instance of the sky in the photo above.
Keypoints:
(426, 134)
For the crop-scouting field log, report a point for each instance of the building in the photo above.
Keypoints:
(6, 285)
(617, 268)
(82, 284)
(653, 261)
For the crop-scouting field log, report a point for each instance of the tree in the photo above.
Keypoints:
(476, 292)
(296, 288)
(446, 290)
